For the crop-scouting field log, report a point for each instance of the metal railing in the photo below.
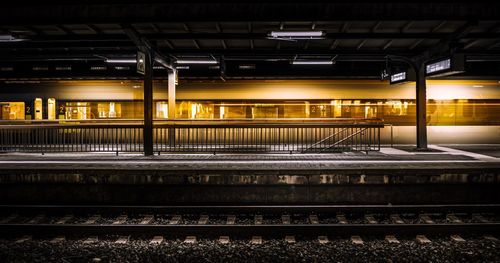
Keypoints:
(71, 138)
(306, 136)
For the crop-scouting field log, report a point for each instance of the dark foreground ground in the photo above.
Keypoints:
(441, 249)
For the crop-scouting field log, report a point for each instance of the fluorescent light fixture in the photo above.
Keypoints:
(121, 60)
(296, 34)
(196, 61)
(312, 62)
(182, 67)
(246, 66)
(10, 38)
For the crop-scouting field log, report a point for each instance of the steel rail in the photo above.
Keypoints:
(253, 208)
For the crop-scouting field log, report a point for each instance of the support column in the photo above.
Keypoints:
(172, 75)
(421, 108)
(148, 104)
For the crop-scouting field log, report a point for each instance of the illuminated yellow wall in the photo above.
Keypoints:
(332, 89)
(257, 90)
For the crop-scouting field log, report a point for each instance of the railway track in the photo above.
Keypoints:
(246, 221)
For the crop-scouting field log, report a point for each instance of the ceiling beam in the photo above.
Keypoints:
(143, 44)
(218, 36)
(388, 44)
(97, 12)
(361, 44)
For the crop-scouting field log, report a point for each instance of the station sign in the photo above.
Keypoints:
(402, 77)
(141, 62)
(446, 66)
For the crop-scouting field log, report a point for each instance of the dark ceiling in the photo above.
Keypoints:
(359, 35)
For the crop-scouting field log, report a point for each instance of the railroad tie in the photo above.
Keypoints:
(146, 220)
(396, 219)
(457, 238)
(342, 219)
(231, 220)
(323, 239)
(36, 219)
(175, 220)
(91, 239)
(426, 219)
(290, 239)
(356, 240)
(479, 218)
(190, 240)
(120, 220)
(285, 219)
(392, 239)
(421, 239)
(122, 240)
(256, 240)
(490, 237)
(8, 219)
(157, 240)
(58, 239)
(313, 219)
(258, 219)
(92, 220)
(64, 219)
(203, 220)
(453, 219)
(371, 219)
(224, 239)
(24, 239)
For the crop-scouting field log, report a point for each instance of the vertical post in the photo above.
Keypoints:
(148, 104)
(421, 108)
(172, 76)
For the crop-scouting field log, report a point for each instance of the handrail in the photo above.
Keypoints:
(343, 140)
(193, 121)
(198, 125)
(327, 138)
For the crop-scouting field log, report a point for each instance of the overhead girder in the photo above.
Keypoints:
(107, 11)
(97, 38)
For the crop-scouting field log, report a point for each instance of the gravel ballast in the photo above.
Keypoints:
(442, 249)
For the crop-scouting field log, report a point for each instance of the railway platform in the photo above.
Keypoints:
(445, 173)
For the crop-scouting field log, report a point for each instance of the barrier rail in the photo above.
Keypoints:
(196, 136)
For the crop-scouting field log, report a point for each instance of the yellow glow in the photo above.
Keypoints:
(12, 111)
(193, 110)
(221, 112)
(38, 109)
(449, 92)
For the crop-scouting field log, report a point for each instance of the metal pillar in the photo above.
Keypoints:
(172, 75)
(421, 88)
(148, 104)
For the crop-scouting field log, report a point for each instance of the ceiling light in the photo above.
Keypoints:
(246, 66)
(196, 61)
(121, 60)
(312, 62)
(296, 34)
(10, 38)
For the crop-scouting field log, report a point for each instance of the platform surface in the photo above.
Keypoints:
(440, 157)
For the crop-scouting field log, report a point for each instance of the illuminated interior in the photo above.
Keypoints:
(449, 102)
(12, 110)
